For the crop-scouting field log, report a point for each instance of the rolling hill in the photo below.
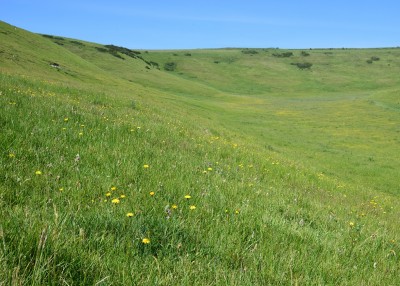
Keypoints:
(197, 167)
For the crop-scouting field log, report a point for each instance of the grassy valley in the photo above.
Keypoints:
(200, 167)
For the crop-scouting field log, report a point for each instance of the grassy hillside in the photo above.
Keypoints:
(235, 168)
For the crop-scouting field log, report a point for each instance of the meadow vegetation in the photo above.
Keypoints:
(251, 171)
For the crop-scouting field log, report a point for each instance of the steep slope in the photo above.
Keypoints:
(36, 56)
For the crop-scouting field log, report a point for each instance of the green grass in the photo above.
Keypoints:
(293, 173)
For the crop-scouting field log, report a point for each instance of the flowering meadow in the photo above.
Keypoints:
(108, 184)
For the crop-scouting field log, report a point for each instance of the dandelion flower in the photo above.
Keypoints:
(61, 189)
(146, 166)
(38, 172)
(209, 169)
(66, 119)
(192, 207)
(113, 188)
(80, 133)
(11, 155)
(188, 197)
(152, 193)
(129, 214)
(145, 240)
(351, 224)
(122, 196)
(115, 201)
(174, 207)
(108, 194)
(236, 211)
(204, 172)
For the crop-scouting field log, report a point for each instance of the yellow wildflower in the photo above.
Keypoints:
(66, 119)
(11, 155)
(115, 201)
(351, 224)
(122, 196)
(188, 197)
(174, 207)
(209, 169)
(192, 207)
(152, 193)
(145, 240)
(145, 166)
(108, 194)
(38, 172)
(129, 214)
(113, 188)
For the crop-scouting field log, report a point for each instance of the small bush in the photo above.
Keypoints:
(171, 66)
(304, 54)
(53, 37)
(153, 64)
(100, 49)
(375, 59)
(283, 55)
(303, 66)
(188, 54)
(369, 61)
(77, 43)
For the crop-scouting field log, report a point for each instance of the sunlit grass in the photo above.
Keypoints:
(85, 203)
(175, 180)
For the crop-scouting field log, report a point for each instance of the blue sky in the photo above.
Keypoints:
(179, 24)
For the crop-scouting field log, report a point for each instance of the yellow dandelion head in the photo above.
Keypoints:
(66, 119)
(113, 188)
(80, 133)
(145, 240)
(61, 189)
(38, 172)
(152, 193)
(108, 194)
(188, 197)
(209, 169)
(351, 224)
(204, 172)
(122, 196)
(11, 155)
(146, 166)
(192, 207)
(129, 214)
(174, 207)
(115, 201)
(237, 211)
